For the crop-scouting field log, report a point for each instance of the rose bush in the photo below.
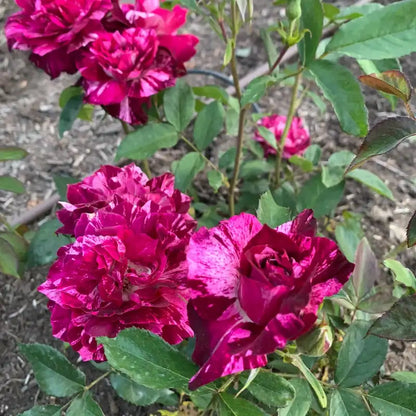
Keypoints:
(297, 139)
(259, 288)
(127, 266)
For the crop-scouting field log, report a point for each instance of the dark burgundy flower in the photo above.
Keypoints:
(259, 288)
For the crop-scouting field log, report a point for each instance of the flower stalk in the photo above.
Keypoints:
(290, 115)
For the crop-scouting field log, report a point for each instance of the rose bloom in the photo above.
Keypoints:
(106, 188)
(55, 30)
(127, 266)
(120, 275)
(141, 56)
(259, 288)
(297, 139)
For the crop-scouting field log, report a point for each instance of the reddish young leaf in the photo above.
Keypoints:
(392, 82)
(383, 137)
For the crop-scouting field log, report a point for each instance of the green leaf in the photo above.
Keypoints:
(254, 168)
(383, 137)
(372, 181)
(61, 183)
(256, 89)
(404, 376)
(268, 212)
(179, 105)
(341, 88)
(360, 356)
(380, 65)
(272, 390)
(227, 159)
(54, 373)
(402, 274)
(348, 234)
(8, 259)
(411, 231)
(391, 82)
(385, 33)
(212, 91)
(303, 398)
(45, 244)
(137, 394)
(333, 171)
(208, 124)
(47, 410)
(357, 10)
(269, 46)
(228, 54)
(312, 19)
(312, 380)
(231, 406)
(70, 113)
(330, 11)
(268, 135)
(395, 398)
(305, 164)
(214, 179)
(12, 153)
(186, 169)
(345, 402)
(148, 359)
(18, 243)
(84, 405)
(318, 101)
(399, 323)
(147, 140)
(315, 195)
(8, 183)
(313, 154)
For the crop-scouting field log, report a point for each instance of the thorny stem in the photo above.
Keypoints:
(291, 113)
(212, 165)
(279, 58)
(146, 167)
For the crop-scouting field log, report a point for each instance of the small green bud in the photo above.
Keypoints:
(293, 10)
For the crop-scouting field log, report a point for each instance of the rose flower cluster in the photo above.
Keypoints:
(297, 139)
(125, 53)
(127, 266)
(243, 288)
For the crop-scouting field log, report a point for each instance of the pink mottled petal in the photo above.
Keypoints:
(214, 255)
(222, 348)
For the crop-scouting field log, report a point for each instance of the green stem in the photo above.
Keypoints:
(97, 380)
(209, 163)
(291, 113)
(237, 161)
(125, 127)
(243, 111)
(396, 250)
